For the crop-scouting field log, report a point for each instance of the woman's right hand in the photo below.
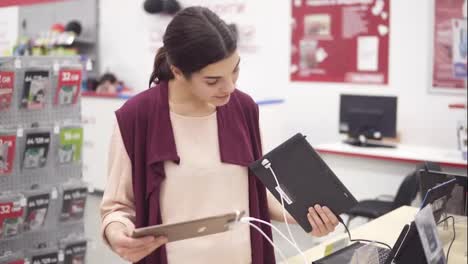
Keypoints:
(128, 248)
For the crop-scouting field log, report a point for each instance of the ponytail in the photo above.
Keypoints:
(161, 69)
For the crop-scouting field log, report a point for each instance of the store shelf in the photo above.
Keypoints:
(457, 106)
(105, 95)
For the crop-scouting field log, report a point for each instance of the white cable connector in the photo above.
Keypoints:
(267, 164)
(282, 205)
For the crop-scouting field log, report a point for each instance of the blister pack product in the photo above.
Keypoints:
(36, 150)
(71, 143)
(74, 203)
(7, 86)
(36, 85)
(37, 207)
(7, 153)
(11, 215)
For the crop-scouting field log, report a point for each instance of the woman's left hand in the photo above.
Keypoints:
(322, 220)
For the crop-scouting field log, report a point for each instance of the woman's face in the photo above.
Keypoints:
(215, 82)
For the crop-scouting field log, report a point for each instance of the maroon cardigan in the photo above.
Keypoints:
(149, 140)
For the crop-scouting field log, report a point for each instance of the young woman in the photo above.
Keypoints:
(180, 152)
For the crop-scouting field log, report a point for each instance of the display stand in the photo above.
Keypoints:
(42, 195)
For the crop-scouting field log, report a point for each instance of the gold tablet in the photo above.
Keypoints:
(191, 229)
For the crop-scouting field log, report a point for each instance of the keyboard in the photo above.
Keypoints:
(346, 254)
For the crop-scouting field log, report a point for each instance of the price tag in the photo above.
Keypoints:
(54, 194)
(61, 256)
(20, 132)
(17, 63)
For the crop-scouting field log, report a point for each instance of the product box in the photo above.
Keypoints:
(11, 216)
(74, 203)
(7, 85)
(76, 253)
(45, 258)
(36, 85)
(36, 150)
(7, 153)
(37, 207)
(68, 87)
(71, 142)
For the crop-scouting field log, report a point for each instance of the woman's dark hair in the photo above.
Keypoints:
(108, 77)
(195, 38)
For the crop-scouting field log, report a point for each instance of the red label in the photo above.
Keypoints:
(7, 83)
(7, 153)
(21, 261)
(68, 88)
(9, 210)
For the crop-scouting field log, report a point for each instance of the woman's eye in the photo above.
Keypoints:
(212, 83)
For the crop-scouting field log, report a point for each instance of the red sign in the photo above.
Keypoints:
(448, 17)
(24, 2)
(7, 84)
(340, 41)
(68, 87)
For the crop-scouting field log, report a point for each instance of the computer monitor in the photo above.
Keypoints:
(365, 118)
(457, 204)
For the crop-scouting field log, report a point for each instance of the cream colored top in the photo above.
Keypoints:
(200, 186)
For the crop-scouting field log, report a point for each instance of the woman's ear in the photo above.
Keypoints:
(178, 75)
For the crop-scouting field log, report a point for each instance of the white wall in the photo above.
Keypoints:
(312, 108)
(130, 37)
(423, 118)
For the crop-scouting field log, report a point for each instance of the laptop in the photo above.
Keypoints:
(458, 202)
(438, 196)
(304, 180)
(407, 249)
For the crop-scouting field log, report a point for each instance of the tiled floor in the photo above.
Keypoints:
(99, 253)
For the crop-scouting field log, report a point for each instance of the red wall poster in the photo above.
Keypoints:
(340, 41)
(450, 45)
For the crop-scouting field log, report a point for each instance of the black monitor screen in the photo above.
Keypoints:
(367, 115)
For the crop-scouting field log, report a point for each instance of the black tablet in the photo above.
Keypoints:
(304, 179)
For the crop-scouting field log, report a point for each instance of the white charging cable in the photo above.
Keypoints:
(267, 165)
(267, 238)
(248, 219)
